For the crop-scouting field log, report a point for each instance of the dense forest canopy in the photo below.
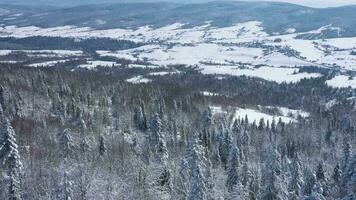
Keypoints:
(91, 135)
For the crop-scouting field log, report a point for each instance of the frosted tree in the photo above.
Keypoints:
(346, 154)
(66, 188)
(350, 190)
(261, 124)
(2, 97)
(337, 174)
(225, 144)
(140, 118)
(1, 114)
(197, 186)
(238, 193)
(320, 177)
(296, 181)
(345, 159)
(102, 146)
(309, 182)
(10, 159)
(317, 193)
(65, 143)
(246, 175)
(320, 172)
(156, 129)
(272, 178)
(207, 118)
(165, 176)
(215, 158)
(232, 169)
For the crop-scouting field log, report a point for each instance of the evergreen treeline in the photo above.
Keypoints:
(54, 43)
(90, 135)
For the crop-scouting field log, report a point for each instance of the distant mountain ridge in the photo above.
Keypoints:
(276, 17)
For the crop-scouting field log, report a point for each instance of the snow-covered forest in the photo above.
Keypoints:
(91, 135)
(222, 100)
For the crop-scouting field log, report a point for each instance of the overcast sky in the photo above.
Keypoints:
(311, 3)
(321, 3)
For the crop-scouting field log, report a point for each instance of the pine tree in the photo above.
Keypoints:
(346, 154)
(345, 159)
(272, 180)
(102, 146)
(232, 169)
(1, 115)
(309, 182)
(67, 187)
(337, 174)
(156, 130)
(261, 124)
(140, 118)
(246, 175)
(10, 159)
(296, 181)
(2, 97)
(66, 145)
(225, 144)
(317, 193)
(350, 176)
(207, 118)
(320, 172)
(197, 182)
(238, 193)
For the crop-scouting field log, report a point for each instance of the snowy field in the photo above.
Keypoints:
(342, 81)
(241, 49)
(255, 115)
(138, 79)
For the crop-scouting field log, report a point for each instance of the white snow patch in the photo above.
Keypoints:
(277, 74)
(5, 52)
(342, 81)
(96, 63)
(138, 79)
(163, 73)
(255, 115)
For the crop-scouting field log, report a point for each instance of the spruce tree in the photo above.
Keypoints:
(309, 182)
(296, 181)
(65, 143)
(350, 180)
(272, 180)
(232, 169)
(197, 182)
(102, 146)
(10, 159)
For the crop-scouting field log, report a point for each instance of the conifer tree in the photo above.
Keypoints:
(309, 182)
(232, 169)
(197, 181)
(10, 159)
(296, 181)
(272, 178)
(350, 180)
(66, 145)
(102, 145)
(156, 130)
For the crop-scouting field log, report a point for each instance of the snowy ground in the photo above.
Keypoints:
(285, 114)
(92, 64)
(241, 49)
(342, 81)
(138, 79)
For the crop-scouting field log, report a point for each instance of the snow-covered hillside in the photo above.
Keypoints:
(241, 49)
